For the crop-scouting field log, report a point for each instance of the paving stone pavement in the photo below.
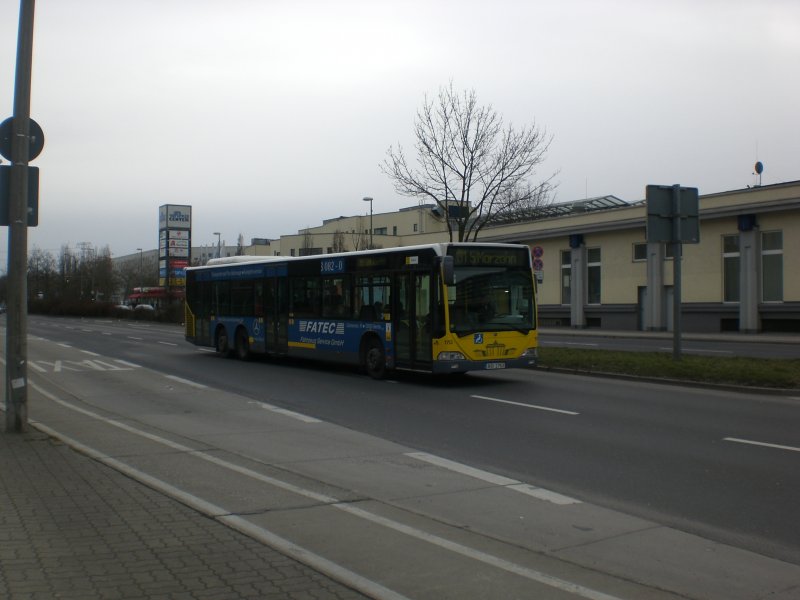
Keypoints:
(71, 527)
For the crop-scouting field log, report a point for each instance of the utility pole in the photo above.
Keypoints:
(369, 199)
(17, 319)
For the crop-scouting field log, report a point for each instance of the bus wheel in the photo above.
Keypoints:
(223, 347)
(374, 359)
(242, 344)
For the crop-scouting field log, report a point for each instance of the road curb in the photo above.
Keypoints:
(669, 381)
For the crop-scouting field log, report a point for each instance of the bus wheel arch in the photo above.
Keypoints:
(242, 343)
(373, 356)
(222, 342)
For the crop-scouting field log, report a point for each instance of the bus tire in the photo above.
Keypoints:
(222, 344)
(242, 344)
(374, 358)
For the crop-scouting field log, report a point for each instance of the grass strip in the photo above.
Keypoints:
(758, 372)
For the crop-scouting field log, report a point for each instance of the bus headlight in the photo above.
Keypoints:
(530, 353)
(450, 356)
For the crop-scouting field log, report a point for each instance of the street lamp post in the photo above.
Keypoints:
(369, 199)
(141, 268)
(219, 247)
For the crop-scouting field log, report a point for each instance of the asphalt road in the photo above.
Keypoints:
(719, 464)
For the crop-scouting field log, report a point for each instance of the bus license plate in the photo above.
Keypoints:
(499, 365)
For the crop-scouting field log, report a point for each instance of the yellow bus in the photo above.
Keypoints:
(437, 308)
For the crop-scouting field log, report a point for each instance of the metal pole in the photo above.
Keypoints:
(17, 320)
(677, 252)
(369, 199)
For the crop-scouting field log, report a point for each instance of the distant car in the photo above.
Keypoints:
(123, 307)
(143, 307)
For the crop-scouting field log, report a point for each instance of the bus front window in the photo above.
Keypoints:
(490, 299)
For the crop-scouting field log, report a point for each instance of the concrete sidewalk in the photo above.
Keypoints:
(71, 527)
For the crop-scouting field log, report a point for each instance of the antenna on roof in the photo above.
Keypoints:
(759, 167)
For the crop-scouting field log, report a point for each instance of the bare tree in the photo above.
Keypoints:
(475, 169)
(41, 273)
(240, 245)
(68, 269)
(339, 243)
(359, 237)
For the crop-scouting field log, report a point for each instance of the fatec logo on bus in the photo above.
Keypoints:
(329, 327)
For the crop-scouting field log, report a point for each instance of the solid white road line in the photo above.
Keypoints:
(188, 382)
(522, 404)
(287, 413)
(456, 467)
(127, 364)
(764, 444)
(168, 343)
(494, 479)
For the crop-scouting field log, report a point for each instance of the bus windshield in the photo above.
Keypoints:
(490, 299)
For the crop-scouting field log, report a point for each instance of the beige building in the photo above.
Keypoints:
(596, 269)
(414, 225)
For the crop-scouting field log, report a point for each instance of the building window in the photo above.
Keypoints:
(394, 229)
(772, 266)
(640, 251)
(380, 231)
(415, 228)
(566, 276)
(730, 268)
(593, 272)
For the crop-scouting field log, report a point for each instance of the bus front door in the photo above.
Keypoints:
(412, 320)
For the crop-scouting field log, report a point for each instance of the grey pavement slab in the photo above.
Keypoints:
(313, 442)
(407, 557)
(387, 476)
(508, 515)
(675, 560)
(227, 488)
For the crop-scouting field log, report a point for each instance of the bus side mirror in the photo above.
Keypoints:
(448, 271)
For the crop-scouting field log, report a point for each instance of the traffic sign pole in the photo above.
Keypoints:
(17, 319)
(677, 258)
(672, 218)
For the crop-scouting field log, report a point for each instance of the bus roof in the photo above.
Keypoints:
(440, 248)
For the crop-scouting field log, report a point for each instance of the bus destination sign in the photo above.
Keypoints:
(490, 257)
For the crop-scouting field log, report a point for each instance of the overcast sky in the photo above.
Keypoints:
(268, 116)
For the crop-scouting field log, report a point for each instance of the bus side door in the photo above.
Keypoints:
(412, 320)
(277, 315)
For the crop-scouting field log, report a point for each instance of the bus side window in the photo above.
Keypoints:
(335, 298)
(306, 297)
(259, 299)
